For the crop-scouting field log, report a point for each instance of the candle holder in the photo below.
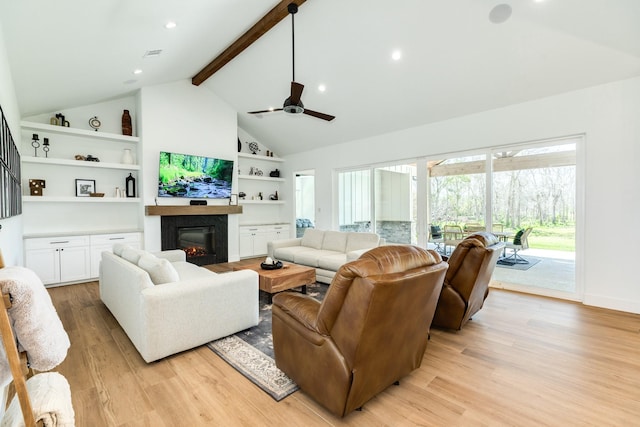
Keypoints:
(45, 147)
(35, 143)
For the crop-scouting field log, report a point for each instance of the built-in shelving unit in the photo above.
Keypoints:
(60, 208)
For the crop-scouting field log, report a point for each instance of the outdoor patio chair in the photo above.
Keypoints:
(436, 237)
(453, 235)
(520, 243)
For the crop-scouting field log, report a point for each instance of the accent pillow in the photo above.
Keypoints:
(132, 255)
(119, 247)
(160, 270)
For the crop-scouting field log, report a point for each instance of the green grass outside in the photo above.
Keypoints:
(554, 238)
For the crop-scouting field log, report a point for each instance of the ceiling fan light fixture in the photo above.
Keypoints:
(292, 108)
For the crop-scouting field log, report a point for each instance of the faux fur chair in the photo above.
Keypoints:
(370, 330)
(466, 284)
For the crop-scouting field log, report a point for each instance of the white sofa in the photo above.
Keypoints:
(327, 251)
(166, 305)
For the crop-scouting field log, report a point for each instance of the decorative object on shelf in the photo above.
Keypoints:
(45, 147)
(271, 154)
(84, 187)
(96, 194)
(253, 147)
(130, 183)
(90, 158)
(233, 200)
(80, 157)
(242, 195)
(260, 195)
(59, 120)
(274, 174)
(268, 152)
(274, 196)
(127, 157)
(35, 143)
(239, 145)
(36, 186)
(127, 128)
(95, 123)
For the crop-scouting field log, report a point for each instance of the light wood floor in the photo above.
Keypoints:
(523, 360)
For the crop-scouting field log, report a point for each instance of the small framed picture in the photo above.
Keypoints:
(84, 187)
(233, 200)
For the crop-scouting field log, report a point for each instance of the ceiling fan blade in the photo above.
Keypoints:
(322, 116)
(296, 92)
(264, 111)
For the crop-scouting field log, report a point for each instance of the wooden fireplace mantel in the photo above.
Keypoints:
(192, 210)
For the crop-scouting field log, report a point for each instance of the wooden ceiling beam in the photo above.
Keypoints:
(275, 15)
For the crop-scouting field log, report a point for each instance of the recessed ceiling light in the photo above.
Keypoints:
(170, 25)
(322, 88)
(396, 55)
(137, 71)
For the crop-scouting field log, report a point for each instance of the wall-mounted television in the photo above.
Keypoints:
(194, 177)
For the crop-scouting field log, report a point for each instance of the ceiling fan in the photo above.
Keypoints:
(293, 104)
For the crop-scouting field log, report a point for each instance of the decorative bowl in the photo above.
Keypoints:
(96, 194)
(275, 266)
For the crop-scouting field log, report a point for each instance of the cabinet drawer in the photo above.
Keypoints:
(110, 239)
(56, 242)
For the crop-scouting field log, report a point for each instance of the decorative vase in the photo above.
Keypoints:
(127, 157)
(127, 129)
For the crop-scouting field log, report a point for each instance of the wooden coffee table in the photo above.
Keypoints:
(290, 276)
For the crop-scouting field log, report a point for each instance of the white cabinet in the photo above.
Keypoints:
(59, 259)
(254, 178)
(254, 239)
(105, 242)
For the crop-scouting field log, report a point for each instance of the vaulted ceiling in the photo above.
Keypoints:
(455, 59)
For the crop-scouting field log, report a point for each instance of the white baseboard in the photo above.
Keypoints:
(618, 304)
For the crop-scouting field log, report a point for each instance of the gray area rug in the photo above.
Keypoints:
(523, 267)
(250, 351)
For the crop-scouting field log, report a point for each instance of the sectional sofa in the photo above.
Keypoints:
(324, 250)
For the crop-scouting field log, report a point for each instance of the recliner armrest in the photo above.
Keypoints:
(300, 307)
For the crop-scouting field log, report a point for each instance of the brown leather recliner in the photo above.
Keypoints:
(369, 331)
(466, 284)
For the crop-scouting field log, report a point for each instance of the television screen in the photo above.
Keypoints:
(195, 177)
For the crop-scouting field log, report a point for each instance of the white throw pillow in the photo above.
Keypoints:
(132, 255)
(160, 270)
(118, 248)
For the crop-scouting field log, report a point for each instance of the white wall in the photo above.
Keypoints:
(184, 118)
(608, 115)
(11, 232)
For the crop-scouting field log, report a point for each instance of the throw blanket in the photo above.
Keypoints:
(35, 322)
(50, 397)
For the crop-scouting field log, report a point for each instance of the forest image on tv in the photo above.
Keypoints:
(197, 177)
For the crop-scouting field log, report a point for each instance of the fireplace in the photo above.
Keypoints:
(202, 237)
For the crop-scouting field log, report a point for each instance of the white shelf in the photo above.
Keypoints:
(78, 163)
(259, 157)
(261, 202)
(80, 132)
(260, 178)
(48, 199)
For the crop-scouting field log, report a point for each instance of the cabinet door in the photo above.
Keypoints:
(260, 241)
(105, 243)
(45, 263)
(246, 245)
(74, 264)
